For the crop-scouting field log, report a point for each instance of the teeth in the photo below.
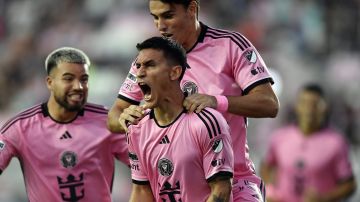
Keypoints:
(76, 97)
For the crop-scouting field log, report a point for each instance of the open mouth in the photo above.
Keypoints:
(146, 90)
(167, 35)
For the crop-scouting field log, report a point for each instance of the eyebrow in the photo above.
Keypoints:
(146, 63)
(163, 13)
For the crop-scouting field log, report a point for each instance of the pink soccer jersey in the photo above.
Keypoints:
(178, 160)
(222, 63)
(71, 161)
(315, 162)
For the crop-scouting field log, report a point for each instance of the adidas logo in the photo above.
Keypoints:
(66, 135)
(165, 140)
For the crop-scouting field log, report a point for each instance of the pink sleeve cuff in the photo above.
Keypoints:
(222, 103)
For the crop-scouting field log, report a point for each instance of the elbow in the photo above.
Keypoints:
(274, 106)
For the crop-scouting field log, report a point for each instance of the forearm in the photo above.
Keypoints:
(141, 193)
(260, 102)
(113, 123)
(220, 191)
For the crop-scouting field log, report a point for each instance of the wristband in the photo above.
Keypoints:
(222, 103)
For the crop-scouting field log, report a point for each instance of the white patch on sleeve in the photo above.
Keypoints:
(2, 145)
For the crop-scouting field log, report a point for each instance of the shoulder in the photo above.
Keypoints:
(95, 111)
(227, 36)
(334, 137)
(23, 116)
(95, 108)
(210, 120)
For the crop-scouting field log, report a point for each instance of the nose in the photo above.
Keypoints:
(141, 72)
(161, 25)
(78, 85)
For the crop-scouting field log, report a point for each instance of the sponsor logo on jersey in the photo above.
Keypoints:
(165, 140)
(68, 159)
(217, 162)
(131, 77)
(165, 167)
(189, 88)
(2, 145)
(133, 156)
(251, 56)
(74, 187)
(257, 70)
(217, 145)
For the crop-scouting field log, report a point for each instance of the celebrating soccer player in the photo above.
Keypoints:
(64, 148)
(227, 73)
(174, 155)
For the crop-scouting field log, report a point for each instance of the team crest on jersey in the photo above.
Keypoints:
(165, 167)
(217, 146)
(68, 159)
(189, 88)
(251, 56)
(2, 145)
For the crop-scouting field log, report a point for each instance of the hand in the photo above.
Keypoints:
(197, 102)
(131, 115)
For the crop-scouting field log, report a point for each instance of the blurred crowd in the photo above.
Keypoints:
(300, 41)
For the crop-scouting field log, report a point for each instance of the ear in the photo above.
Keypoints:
(193, 8)
(49, 82)
(175, 72)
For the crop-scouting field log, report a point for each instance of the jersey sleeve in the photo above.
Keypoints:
(249, 68)
(215, 143)
(129, 90)
(9, 138)
(119, 147)
(343, 169)
(138, 174)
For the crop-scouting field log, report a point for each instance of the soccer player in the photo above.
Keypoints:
(174, 155)
(308, 161)
(64, 148)
(227, 73)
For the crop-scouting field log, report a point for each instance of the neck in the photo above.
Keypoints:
(193, 36)
(169, 109)
(59, 113)
(308, 129)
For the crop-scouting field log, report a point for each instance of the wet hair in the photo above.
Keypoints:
(65, 54)
(174, 53)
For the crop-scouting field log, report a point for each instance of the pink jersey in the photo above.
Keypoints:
(178, 160)
(317, 162)
(222, 63)
(71, 161)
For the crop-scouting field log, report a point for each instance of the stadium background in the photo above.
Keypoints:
(300, 40)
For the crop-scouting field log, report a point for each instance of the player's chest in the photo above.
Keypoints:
(306, 155)
(172, 150)
(207, 75)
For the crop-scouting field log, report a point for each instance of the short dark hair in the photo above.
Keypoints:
(185, 3)
(65, 54)
(315, 88)
(174, 53)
